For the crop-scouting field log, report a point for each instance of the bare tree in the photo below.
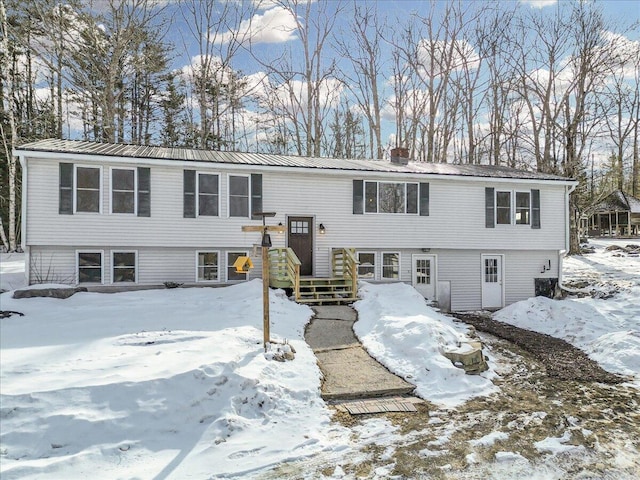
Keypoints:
(363, 50)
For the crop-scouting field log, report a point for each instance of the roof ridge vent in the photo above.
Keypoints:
(400, 156)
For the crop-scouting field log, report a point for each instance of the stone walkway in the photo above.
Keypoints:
(349, 372)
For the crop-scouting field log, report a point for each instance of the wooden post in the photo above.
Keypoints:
(265, 296)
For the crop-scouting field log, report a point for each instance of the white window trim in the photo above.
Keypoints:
(378, 212)
(135, 190)
(198, 252)
(78, 252)
(75, 189)
(198, 173)
(248, 176)
(135, 266)
(515, 208)
(375, 264)
(382, 254)
(243, 253)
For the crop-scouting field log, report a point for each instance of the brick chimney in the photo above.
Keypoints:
(400, 155)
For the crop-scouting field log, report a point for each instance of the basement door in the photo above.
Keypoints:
(300, 240)
(492, 281)
(423, 277)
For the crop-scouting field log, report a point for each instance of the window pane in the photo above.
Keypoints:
(208, 205)
(123, 179)
(238, 185)
(124, 274)
(124, 259)
(90, 259)
(423, 271)
(412, 198)
(88, 177)
(208, 183)
(238, 206)
(371, 197)
(231, 270)
(90, 275)
(391, 265)
(123, 202)
(391, 197)
(88, 201)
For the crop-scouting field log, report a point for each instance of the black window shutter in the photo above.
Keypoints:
(424, 199)
(190, 194)
(490, 220)
(358, 197)
(535, 208)
(65, 205)
(144, 192)
(256, 195)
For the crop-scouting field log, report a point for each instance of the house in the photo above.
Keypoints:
(616, 214)
(467, 236)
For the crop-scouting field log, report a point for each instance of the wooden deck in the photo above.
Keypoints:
(340, 288)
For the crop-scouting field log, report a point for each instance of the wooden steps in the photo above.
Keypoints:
(319, 291)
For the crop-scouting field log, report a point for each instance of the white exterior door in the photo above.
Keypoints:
(492, 281)
(424, 275)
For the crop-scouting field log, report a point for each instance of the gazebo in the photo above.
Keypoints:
(616, 214)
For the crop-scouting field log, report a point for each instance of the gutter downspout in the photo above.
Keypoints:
(563, 253)
(23, 221)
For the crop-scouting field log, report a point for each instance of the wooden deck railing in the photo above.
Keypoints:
(344, 264)
(284, 270)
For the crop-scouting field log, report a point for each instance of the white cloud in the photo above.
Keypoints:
(539, 3)
(275, 25)
(446, 56)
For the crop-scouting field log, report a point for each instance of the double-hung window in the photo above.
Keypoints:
(239, 196)
(207, 267)
(123, 190)
(89, 267)
(367, 265)
(231, 270)
(523, 208)
(503, 208)
(88, 191)
(390, 265)
(124, 267)
(208, 194)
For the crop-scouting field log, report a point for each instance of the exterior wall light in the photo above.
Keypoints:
(322, 229)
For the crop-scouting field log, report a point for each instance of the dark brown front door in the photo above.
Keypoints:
(300, 240)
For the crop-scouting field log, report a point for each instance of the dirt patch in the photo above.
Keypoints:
(560, 359)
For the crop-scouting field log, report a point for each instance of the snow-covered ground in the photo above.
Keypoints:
(605, 323)
(175, 384)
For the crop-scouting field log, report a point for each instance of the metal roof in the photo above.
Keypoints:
(258, 159)
(618, 201)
